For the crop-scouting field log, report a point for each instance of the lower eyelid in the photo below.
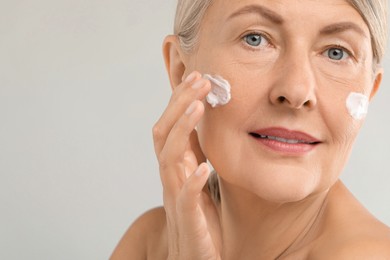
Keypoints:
(343, 61)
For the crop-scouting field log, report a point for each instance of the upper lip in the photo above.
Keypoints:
(284, 134)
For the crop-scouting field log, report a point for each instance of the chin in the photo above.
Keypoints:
(282, 193)
(282, 185)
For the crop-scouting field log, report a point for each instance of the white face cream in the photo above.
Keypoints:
(220, 91)
(357, 105)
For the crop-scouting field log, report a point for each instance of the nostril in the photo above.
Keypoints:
(307, 103)
(281, 99)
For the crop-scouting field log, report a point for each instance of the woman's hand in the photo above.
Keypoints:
(192, 220)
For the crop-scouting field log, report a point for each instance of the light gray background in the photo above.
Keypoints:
(81, 84)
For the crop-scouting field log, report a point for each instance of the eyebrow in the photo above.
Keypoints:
(342, 27)
(277, 19)
(260, 10)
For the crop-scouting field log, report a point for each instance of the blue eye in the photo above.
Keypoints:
(336, 54)
(255, 39)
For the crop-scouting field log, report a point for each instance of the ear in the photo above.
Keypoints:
(377, 82)
(174, 62)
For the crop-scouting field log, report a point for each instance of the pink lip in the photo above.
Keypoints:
(285, 141)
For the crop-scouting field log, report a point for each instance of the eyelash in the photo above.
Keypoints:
(261, 34)
(268, 39)
(337, 46)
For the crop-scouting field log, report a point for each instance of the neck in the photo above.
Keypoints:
(272, 229)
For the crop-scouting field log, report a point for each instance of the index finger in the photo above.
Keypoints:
(183, 95)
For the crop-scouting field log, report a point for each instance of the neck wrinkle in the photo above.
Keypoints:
(307, 234)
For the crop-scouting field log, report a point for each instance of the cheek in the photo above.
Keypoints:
(222, 134)
(220, 124)
(341, 129)
(332, 94)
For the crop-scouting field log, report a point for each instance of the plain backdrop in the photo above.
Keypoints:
(81, 85)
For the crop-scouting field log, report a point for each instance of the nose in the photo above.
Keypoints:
(295, 84)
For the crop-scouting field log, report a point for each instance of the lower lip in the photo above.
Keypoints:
(286, 148)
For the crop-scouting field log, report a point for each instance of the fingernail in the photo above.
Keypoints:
(198, 84)
(190, 77)
(199, 171)
(191, 108)
(203, 168)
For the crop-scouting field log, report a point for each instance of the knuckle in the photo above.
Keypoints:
(180, 100)
(169, 203)
(173, 97)
(169, 162)
(163, 161)
(157, 132)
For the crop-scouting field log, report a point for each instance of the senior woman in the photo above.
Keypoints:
(300, 73)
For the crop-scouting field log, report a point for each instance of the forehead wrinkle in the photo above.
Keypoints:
(258, 10)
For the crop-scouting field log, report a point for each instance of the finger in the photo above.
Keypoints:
(195, 147)
(172, 157)
(189, 198)
(189, 161)
(166, 121)
(180, 100)
(193, 156)
(182, 97)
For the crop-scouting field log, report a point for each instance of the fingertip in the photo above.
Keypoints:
(191, 77)
(198, 179)
(203, 169)
(192, 188)
(196, 106)
(191, 108)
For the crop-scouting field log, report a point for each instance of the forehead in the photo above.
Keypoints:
(288, 11)
(281, 4)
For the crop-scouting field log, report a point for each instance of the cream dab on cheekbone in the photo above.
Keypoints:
(220, 90)
(357, 105)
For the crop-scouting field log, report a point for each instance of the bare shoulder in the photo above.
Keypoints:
(145, 238)
(360, 246)
(375, 248)
(351, 232)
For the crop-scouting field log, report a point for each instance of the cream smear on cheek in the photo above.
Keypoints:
(357, 105)
(220, 90)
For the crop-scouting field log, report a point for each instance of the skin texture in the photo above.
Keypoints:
(275, 205)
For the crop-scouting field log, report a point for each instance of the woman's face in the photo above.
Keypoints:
(291, 65)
